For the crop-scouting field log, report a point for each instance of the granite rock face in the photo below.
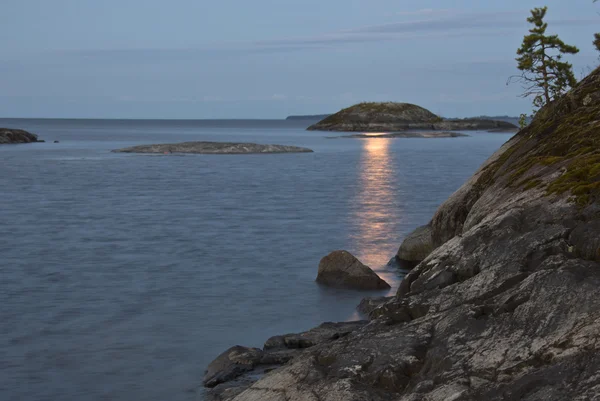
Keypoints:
(506, 307)
(213, 148)
(9, 136)
(236, 369)
(342, 269)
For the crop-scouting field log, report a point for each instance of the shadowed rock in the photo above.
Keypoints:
(368, 305)
(342, 269)
(9, 136)
(416, 246)
(213, 148)
(230, 364)
(237, 368)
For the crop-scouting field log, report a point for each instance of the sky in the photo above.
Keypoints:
(196, 59)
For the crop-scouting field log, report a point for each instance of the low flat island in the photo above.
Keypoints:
(223, 148)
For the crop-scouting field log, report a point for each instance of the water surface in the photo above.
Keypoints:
(123, 276)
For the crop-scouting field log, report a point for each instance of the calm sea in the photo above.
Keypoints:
(122, 276)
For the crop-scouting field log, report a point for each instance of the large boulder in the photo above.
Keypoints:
(10, 135)
(506, 307)
(342, 269)
(416, 246)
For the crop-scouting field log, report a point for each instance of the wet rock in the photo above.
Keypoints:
(239, 367)
(231, 364)
(323, 333)
(342, 269)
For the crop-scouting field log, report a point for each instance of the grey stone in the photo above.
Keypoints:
(416, 246)
(342, 269)
(230, 364)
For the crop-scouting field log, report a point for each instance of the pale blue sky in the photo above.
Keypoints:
(269, 58)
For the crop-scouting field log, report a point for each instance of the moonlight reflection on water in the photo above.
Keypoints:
(377, 189)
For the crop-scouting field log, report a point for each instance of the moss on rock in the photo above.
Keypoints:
(561, 148)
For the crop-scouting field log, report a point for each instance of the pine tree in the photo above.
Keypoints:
(544, 75)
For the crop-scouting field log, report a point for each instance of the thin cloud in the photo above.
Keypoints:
(445, 24)
(424, 11)
(434, 23)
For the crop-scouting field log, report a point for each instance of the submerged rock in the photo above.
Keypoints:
(342, 269)
(10, 135)
(391, 116)
(213, 148)
(416, 246)
(506, 307)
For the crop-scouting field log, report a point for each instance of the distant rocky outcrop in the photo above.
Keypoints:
(416, 246)
(342, 269)
(506, 307)
(475, 124)
(390, 117)
(10, 135)
(213, 148)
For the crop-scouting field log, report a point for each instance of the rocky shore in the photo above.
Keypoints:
(10, 135)
(386, 117)
(223, 148)
(503, 306)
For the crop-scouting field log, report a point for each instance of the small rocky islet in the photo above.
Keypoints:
(223, 148)
(502, 305)
(397, 117)
(14, 136)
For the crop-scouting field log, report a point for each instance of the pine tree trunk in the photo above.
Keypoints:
(545, 75)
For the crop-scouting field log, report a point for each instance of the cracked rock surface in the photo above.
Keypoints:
(507, 305)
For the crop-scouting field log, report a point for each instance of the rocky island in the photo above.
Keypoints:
(223, 148)
(10, 135)
(503, 306)
(390, 116)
